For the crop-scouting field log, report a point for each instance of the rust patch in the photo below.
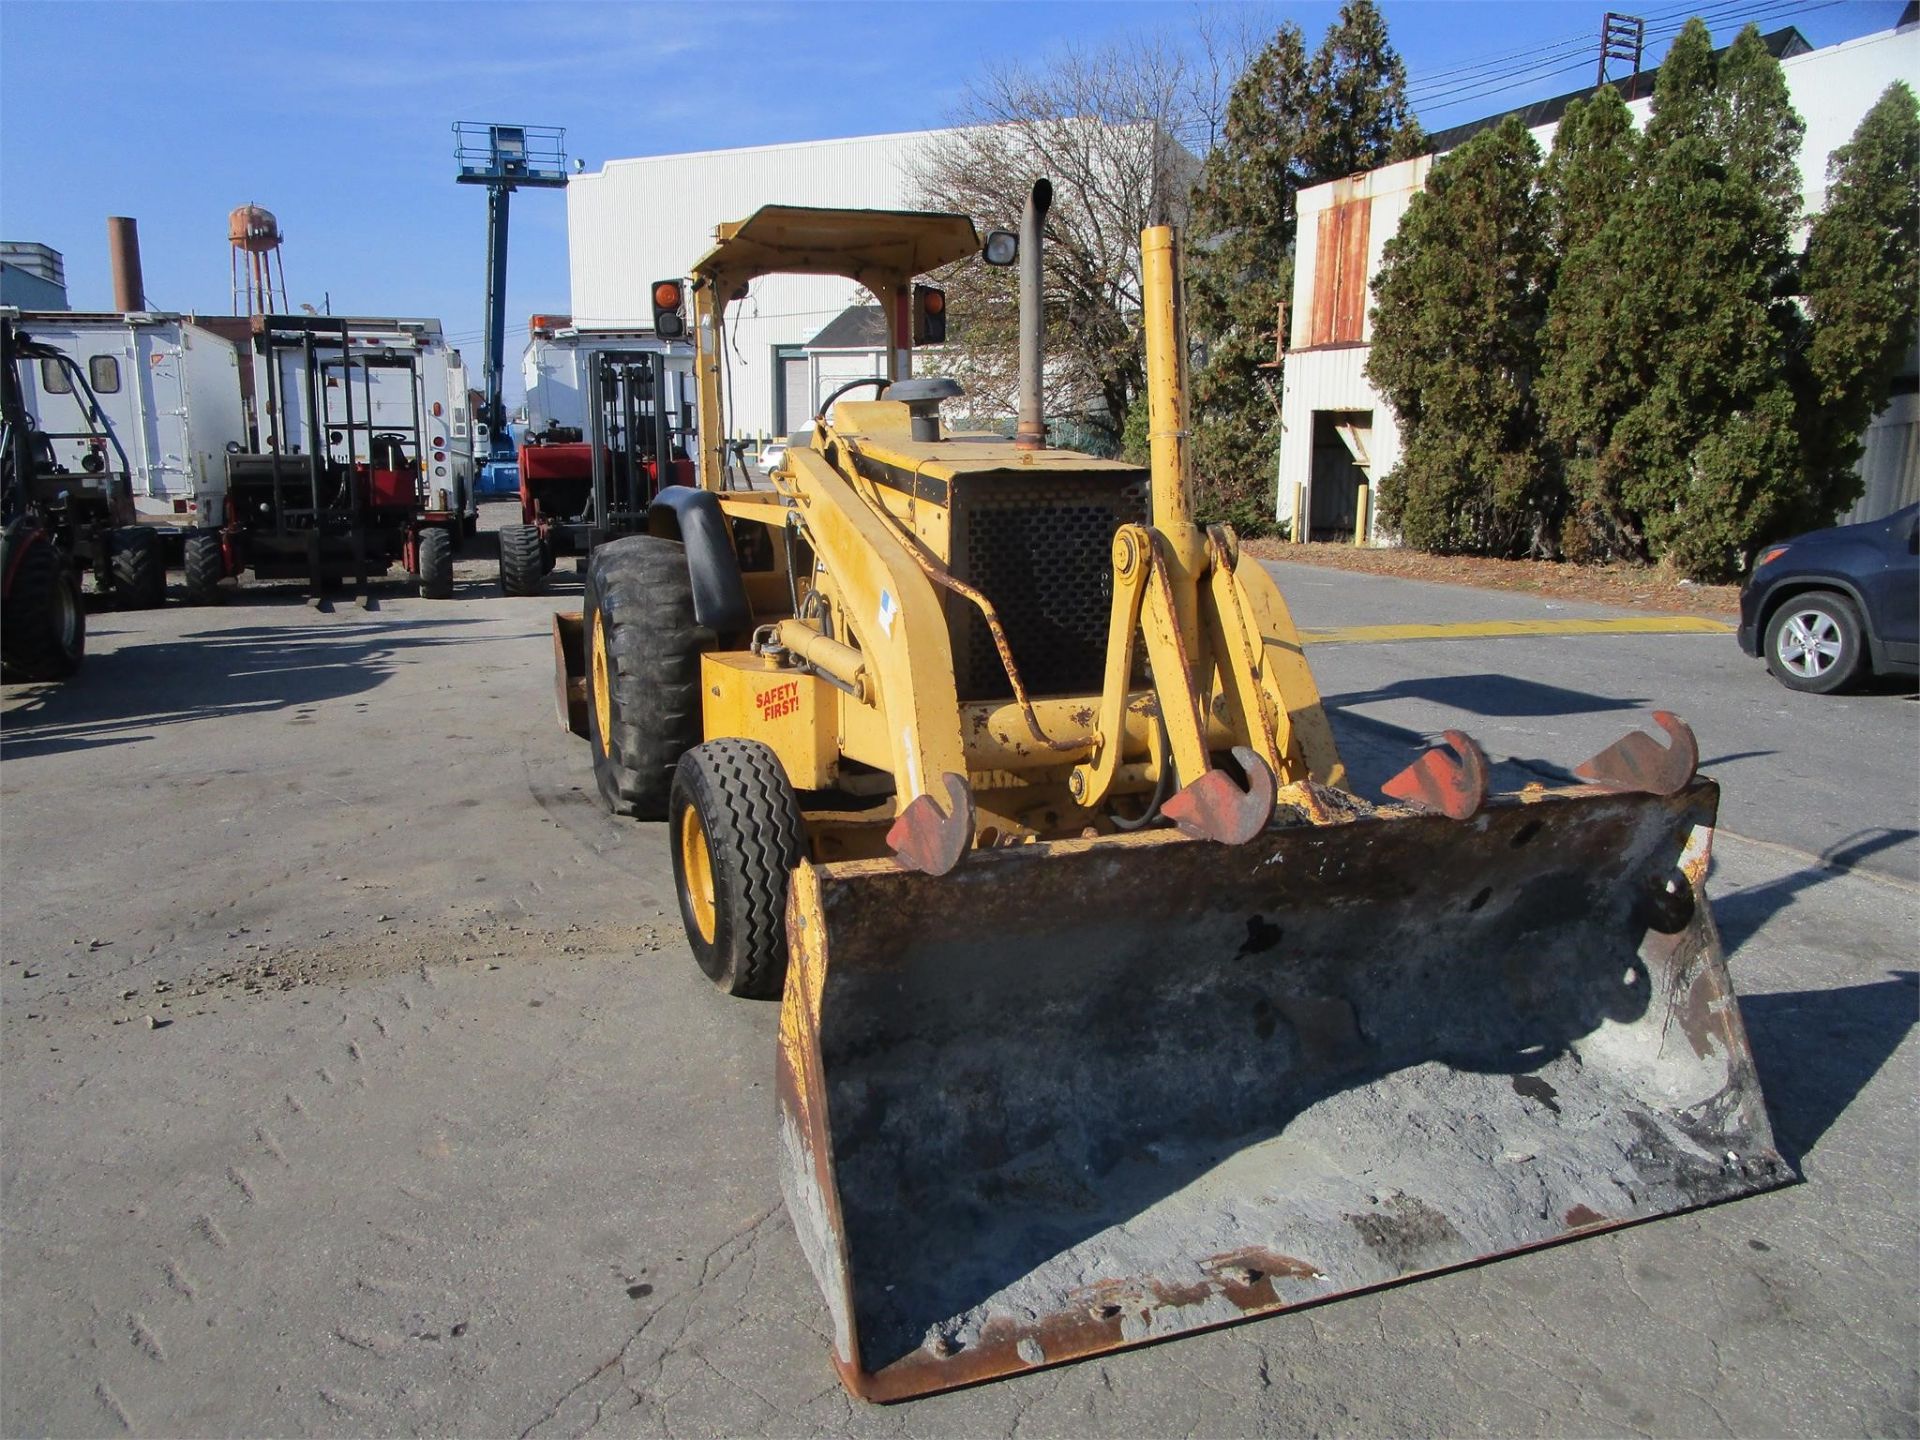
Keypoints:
(1639, 762)
(1436, 783)
(1214, 808)
(925, 839)
(1580, 1216)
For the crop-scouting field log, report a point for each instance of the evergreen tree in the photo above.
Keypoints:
(1587, 185)
(1356, 112)
(1862, 289)
(1240, 270)
(1460, 303)
(1665, 374)
(1291, 122)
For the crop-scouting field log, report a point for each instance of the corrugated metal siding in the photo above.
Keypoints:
(1891, 465)
(1340, 273)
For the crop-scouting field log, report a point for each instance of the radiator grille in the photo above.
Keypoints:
(1044, 556)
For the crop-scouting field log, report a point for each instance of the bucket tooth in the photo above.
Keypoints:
(1435, 782)
(1638, 762)
(930, 840)
(1215, 808)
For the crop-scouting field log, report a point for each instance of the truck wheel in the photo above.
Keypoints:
(139, 568)
(643, 671)
(435, 558)
(520, 570)
(43, 622)
(737, 835)
(1814, 643)
(206, 566)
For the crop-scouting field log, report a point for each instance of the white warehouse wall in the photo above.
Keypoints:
(636, 221)
(1831, 88)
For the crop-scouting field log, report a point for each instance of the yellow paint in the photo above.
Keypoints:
(696, 865)
(744, 696)
(1517, 629)
(602, 684)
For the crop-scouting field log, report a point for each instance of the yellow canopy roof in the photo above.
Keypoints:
(875, 247)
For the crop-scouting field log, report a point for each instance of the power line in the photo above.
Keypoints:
(1743, 11)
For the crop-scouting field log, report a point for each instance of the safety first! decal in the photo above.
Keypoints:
(780, 700)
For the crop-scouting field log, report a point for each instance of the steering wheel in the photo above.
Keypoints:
(827, 404)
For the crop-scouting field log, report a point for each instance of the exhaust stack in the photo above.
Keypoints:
(1032, 431)
(123, 255)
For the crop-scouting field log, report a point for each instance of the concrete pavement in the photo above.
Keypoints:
(439, 1130)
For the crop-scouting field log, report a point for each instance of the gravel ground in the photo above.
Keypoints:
(358, 1082)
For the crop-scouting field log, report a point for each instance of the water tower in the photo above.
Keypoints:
(254, 233)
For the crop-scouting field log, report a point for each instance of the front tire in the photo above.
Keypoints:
(43, 621)
(138, 568)
(1815, 643)
(737, 834)
(520, 560)
(643, 671)
(206, 566)
(434, 555)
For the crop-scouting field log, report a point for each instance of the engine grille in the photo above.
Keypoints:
(1043, 554)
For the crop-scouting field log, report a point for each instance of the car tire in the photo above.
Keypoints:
(520, 562)
(205, 564)
(434, 555)
(1815, 642)
(736, 835)
(138, 568)
(43, 621)
(643, 671)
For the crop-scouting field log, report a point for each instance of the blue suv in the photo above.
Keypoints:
(1823, 606)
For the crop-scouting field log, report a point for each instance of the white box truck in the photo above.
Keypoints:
(170, 390)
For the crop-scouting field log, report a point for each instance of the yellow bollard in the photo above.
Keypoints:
(1362, 492)
(1300, 526)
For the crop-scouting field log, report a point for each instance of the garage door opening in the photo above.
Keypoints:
(1340, 468)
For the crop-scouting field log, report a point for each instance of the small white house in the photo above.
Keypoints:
(1338, 433)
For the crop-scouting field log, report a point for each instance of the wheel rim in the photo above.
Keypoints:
(1810, 644)
(696, 872)
(66, 617)
(602, 701)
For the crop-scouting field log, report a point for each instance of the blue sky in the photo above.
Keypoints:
(336, 116)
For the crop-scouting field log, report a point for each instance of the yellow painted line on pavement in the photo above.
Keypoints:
(1517, 629)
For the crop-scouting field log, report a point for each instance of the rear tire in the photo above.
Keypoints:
(736, 836)
(206, 566)
(643, 671)
(434, 554)
(43, 621)
(520, 569)
(1815, 643)
(138, 567)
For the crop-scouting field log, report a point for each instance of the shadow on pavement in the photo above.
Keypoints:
(1816, 1050)
(1490, 695)
(1375, 752)
(250, 670)
(1741, 913)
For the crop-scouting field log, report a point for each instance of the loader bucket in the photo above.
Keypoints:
(1077, 1096)
(570, 671)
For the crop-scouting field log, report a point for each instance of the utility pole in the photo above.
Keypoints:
(1624, 38)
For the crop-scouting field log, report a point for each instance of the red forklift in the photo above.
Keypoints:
(336, 487)
(582, 485)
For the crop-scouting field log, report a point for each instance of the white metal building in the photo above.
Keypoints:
(633, 222)
(1337, 432)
